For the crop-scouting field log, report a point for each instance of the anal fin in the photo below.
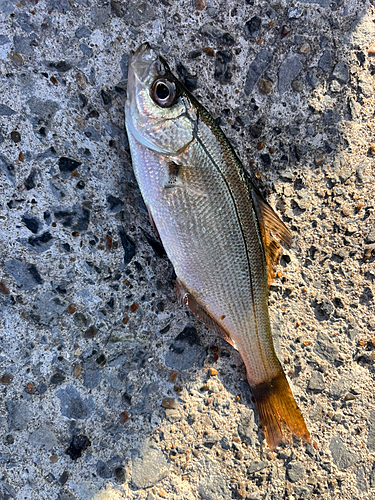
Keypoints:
(198, 310)
(278, 411)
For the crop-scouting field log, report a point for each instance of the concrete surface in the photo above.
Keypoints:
(109, 389)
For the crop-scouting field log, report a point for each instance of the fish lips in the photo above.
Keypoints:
(146, 65)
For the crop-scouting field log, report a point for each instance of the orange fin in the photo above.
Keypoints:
(278, 411)
(189, 300)
(269, 224)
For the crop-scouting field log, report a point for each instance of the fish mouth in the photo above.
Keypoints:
(142, 62)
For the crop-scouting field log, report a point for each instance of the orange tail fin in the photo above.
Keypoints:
(277, 409)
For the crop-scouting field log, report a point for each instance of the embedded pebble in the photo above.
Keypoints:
(212, 486)
(73, 405)
(325, 61)
(77, 446)
(341, 456)
(149, 466)
(19, 414)
(341, 72)
(256, 69)
(295, 471)
(316, 382)
(288, 71)
(185, 350)
(325, 348)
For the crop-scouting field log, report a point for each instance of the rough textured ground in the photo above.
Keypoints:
(109, 389)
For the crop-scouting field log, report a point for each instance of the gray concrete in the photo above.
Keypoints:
(109, 389)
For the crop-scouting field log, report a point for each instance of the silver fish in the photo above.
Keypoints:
(215, 227)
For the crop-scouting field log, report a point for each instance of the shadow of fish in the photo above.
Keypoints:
(215, 227)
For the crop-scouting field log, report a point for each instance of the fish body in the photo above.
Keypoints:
(214, 226)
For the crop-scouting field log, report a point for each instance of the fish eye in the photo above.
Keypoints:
(164, 92)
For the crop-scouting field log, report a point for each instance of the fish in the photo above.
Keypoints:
(221, 236)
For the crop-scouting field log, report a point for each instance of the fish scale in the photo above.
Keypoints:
(215, 227)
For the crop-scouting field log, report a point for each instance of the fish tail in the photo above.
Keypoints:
(278, 410)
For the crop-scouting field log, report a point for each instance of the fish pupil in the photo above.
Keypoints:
(162, 91)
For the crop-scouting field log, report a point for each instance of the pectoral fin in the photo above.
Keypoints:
(269, 225)
(180, 176)
(198, 310)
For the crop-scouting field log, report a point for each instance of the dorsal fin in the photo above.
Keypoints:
(269, 225)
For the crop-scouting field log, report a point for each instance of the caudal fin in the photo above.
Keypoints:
(278, 410)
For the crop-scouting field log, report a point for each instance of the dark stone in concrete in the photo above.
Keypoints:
(252, 26)
(185, 350)
(289, 70)
(103, 470)
(312, 79)
(114, 204)
(341, 72)
(59, 66)
(366, 296)
(26, 275)
(256, 69)
(6, 110)
(57, 378)
(68, 165)
(8, 168)
(295, 471)
(325, 348)
(324, 309)
(22, 45)
(77, 218)
(124, 63)
(186, 77)
(256, 129)
(371, 432)
(372, 477)
(86, 50)
(370, 238)
(62, 6)
(106, 97)
(83, 32)
(217, 34)
(257, 465)
(222, 66)
(72, 404)
(77, 446)
(325, 61)
(38, 243)
(19, 415)
(316, 383)
(128, 245)
(246, 431)
(92, 375)
(341, 386)
(32, 223)
(362, 476)
(341, 456)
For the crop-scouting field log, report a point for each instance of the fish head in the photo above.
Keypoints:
(159, 113)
